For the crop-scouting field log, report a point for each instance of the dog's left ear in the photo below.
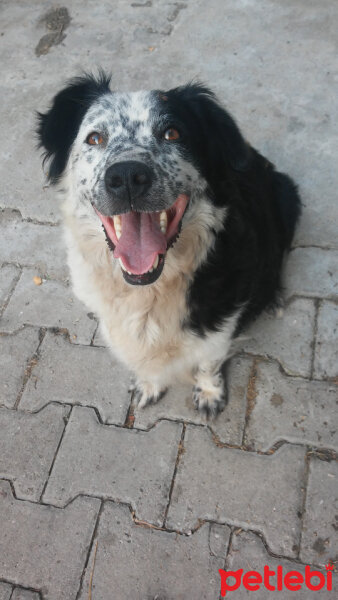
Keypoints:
(58, 128)
(223, 139)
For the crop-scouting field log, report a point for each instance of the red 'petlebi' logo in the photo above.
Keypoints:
(276, 580)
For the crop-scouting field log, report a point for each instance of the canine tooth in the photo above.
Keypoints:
(122, 265)
(155, 263)
(163, 221)
(118, 226)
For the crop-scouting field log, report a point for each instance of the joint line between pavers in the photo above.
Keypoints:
(90, 550)
(304, 488)
(17, 212)
(66, 418)
(17, 586)
(180, 451)
(314, 336)
(11, 290)
(31, 363)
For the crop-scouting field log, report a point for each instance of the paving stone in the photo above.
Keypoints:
(177, 404)
(8, 275)
(5, 591)
(248, 553)
(78, 375)
(164, 565)
(20, 594)
(30, 244)
(43, 547)
(15, 352)
(27, 447)
(320, 523)
(292, 409)
(242, 488)
(121, 464)
(326, 349)
(311, 272)
(287, 339)
(51, 304)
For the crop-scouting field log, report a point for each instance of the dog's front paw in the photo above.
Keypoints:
(147, 393)
(209, 403)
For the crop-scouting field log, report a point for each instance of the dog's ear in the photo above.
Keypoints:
(58, 128)
(223, 140)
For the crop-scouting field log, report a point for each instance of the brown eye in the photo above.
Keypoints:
(94, 139)
(171, 134)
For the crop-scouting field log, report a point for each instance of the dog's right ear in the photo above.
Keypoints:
(58, 128)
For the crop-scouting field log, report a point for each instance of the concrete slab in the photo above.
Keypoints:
(111, 462)
(78, 375)
(56, 540)
(27, 447)
(287, 339)
(248, 552)
(253, 491)
(5, 591)
(291, 409)
(326, 349)
(33, 245)
(311, 272)
(164, 565)
(320, 525)
(51, 304)
(16, 352)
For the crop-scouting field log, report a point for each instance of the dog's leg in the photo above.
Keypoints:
(147, 392)
(209, 393)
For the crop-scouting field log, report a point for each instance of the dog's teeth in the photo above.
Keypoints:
(163, 221)
(122, 265)
(118, 226)
(155, 263)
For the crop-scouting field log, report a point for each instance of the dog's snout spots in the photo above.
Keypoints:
(128, 179)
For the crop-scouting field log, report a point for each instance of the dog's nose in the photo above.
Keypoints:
(128, 180)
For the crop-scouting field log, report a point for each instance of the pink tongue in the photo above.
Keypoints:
(140, 242)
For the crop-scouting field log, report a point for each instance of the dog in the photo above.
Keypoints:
(176, 227)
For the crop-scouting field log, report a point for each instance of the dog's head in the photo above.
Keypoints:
(142, 161)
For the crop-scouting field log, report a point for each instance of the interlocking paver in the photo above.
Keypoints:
(29, 244)
(164, 565)
(287, 339)
(326, 349)
(78, 375)
(292, 409)
(20, 594)
(15, 353)
(320, 526)
(312, 272)
(51, 304)
(120, 464)
(234, 486)
(5, 591)
(43, 547)
(27, 447)
(248, 553)
(8, 275)
(177, 404)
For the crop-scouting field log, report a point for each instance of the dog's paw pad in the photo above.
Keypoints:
(208, 404)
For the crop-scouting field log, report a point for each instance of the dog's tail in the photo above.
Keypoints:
(289, 204)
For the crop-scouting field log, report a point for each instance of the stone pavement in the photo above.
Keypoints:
(98, 500)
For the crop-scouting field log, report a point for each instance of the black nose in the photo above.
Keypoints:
(128, 180)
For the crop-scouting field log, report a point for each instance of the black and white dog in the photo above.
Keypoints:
(176, 227)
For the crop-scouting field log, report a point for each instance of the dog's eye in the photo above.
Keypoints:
(94, 139)
(171, 134)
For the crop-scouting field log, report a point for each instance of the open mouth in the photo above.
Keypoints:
(140, 240)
